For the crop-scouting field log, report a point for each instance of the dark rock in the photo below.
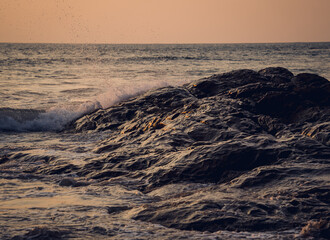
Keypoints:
(107, 148)
(277, 74)
(99, 230)
(313, 88)
(317, 229)
(319, 132)
(107, 174)
(270, 125)
(219, 84)
(257, 141)
(66, 182)
(152, 103)
(204, 215)
(42, 233)
(217, 162)
(305, 81)
(58, 169)
(4, 159)
(117, 209)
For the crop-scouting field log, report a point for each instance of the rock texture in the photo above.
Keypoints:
(243, 151)
(258, 141)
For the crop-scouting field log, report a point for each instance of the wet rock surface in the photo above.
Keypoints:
(242, 151)
(42, 233)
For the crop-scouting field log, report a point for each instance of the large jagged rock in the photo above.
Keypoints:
(257, 142)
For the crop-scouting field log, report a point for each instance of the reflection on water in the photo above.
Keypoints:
(16, 194)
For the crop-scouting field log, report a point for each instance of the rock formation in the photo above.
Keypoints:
(254, 144)
(243, 151)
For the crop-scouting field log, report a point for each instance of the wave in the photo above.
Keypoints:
(27, 62)
(116, 94)
(56, 118)
(160, 58)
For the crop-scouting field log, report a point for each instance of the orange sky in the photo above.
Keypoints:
(164, 21)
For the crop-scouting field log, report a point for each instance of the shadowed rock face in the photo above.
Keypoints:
(239, 151)
(261, 139)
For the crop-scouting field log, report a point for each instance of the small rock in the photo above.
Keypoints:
(67, 182)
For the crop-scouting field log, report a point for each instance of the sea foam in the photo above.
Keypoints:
(53, 119)
(56, 118)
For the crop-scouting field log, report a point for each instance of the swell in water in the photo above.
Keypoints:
(56, 118)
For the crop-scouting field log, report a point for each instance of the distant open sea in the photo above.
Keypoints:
(67, 80)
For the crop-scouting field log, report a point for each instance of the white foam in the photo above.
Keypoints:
(56, 118)
(53, 119)
(116, 94)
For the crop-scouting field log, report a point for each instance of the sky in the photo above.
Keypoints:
(164, 21)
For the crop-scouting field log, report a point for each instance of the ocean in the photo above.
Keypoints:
(44, 87)
(68, 80)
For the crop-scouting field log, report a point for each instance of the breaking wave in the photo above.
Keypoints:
(56, 118)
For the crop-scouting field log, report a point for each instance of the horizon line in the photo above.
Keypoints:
(155, 43)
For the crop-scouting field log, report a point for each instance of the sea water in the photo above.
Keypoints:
(43, 87)
(69, 80)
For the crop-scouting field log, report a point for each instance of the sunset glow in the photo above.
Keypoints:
(171, 21)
